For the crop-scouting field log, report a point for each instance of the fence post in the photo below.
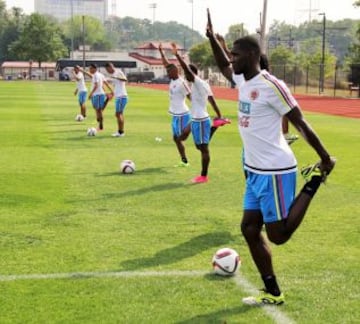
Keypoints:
(335, 78)
(307, 78)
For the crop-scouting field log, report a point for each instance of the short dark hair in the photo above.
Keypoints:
(109, 64)
(248, 43)
(93, 65)
(264, 62)
(193, 68)
(170, 66)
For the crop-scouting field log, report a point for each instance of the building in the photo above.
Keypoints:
(65, 9)
(11, 70)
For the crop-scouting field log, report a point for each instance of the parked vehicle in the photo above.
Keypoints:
(161, 80)
(140, 77)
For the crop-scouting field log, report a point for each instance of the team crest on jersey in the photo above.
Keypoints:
(254, 94)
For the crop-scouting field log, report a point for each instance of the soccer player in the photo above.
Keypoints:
(178, 91)
(81, 90)
(121, 96)
(270, 164)
(97, 94)
(200, 123)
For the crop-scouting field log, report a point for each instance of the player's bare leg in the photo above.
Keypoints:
(99, 118)
(120, 122)
(83, 110)
(205, 161)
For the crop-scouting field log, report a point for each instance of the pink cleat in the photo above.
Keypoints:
(217, 122)
(200, 179)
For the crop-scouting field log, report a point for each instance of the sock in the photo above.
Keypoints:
(312, 186)
(121, 132)
(271, 285)
(203, 173)
(184, 159)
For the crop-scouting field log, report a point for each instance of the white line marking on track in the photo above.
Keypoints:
(272, 311)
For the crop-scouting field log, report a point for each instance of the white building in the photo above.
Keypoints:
(65, 9)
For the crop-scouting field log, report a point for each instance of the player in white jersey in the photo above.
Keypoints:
(178, 91)
(118, 80)
(81, 90)
(200, 123)
(271, 165)
(97, 94)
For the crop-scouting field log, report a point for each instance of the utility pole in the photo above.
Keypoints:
(83, 40)
(72, 28)
(153, 6)
(263, 27)
(322, 65)
(192, 21)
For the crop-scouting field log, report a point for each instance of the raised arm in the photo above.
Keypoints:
(189, 75)
(221, 58)
(85, 72)
(165, 61)
(108, 86)
(222, 42)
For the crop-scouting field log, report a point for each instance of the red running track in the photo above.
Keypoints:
(326, 105)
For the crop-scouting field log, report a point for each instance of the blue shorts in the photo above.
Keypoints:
(82, 96)
(271, 194)
(120, 104)
(200, 130)
(98, 101)
(179, 123)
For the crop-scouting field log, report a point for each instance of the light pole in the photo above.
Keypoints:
(153, 6)
(322, 65)
(263, 27)
(83, 40)
(72, 28)
(192, 21)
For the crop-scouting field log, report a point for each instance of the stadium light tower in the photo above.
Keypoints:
(322, 71)
(153, 6)
(192, 21)
(263, 27)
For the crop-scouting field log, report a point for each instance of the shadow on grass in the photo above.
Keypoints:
(218, 317)
(182, 251)
(140, 172)
(142, 191)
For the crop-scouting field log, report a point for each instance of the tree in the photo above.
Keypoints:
(201, 54)
(39, 40)
(235, 32)
(94, 32)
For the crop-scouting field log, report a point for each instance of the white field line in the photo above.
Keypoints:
(272, 311)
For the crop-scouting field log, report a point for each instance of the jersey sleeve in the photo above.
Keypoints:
(238, 79)
(279, 97)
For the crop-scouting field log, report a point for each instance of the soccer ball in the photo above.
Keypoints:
(91, 131)
(127, 167)
(79, 118)
(225, 262)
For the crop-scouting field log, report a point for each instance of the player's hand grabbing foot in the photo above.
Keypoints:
(327, 166)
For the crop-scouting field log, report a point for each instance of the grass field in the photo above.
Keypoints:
(137, 249)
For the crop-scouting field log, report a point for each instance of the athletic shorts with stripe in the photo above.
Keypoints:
(98, 101)
(82, 95)
(120, 104)
(200, 130)
(271, 194)
(179, 123)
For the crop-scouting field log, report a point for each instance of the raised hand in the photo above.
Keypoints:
(209, 27)
(174, 49)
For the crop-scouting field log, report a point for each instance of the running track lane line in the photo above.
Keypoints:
(273, 312)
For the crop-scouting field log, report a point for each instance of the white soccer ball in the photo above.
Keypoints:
(91, 131)
(225, 262)
(79, 118)
(127, 167)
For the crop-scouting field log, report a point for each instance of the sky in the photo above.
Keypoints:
(226, 12)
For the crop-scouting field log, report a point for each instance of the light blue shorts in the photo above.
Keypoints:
(200, 130)
(271, 194)
(82, 96)
(179, 123)
(98, 101)
(120, 104)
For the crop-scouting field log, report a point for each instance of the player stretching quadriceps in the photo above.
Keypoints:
(178, 91)
(201, 128)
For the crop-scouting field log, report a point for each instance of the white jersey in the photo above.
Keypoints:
(99, 79)
(119, 86)
(178, 91)
(80, 82)
(200, 91)
(263, 101)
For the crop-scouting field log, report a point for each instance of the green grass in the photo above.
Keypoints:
(66, 208)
